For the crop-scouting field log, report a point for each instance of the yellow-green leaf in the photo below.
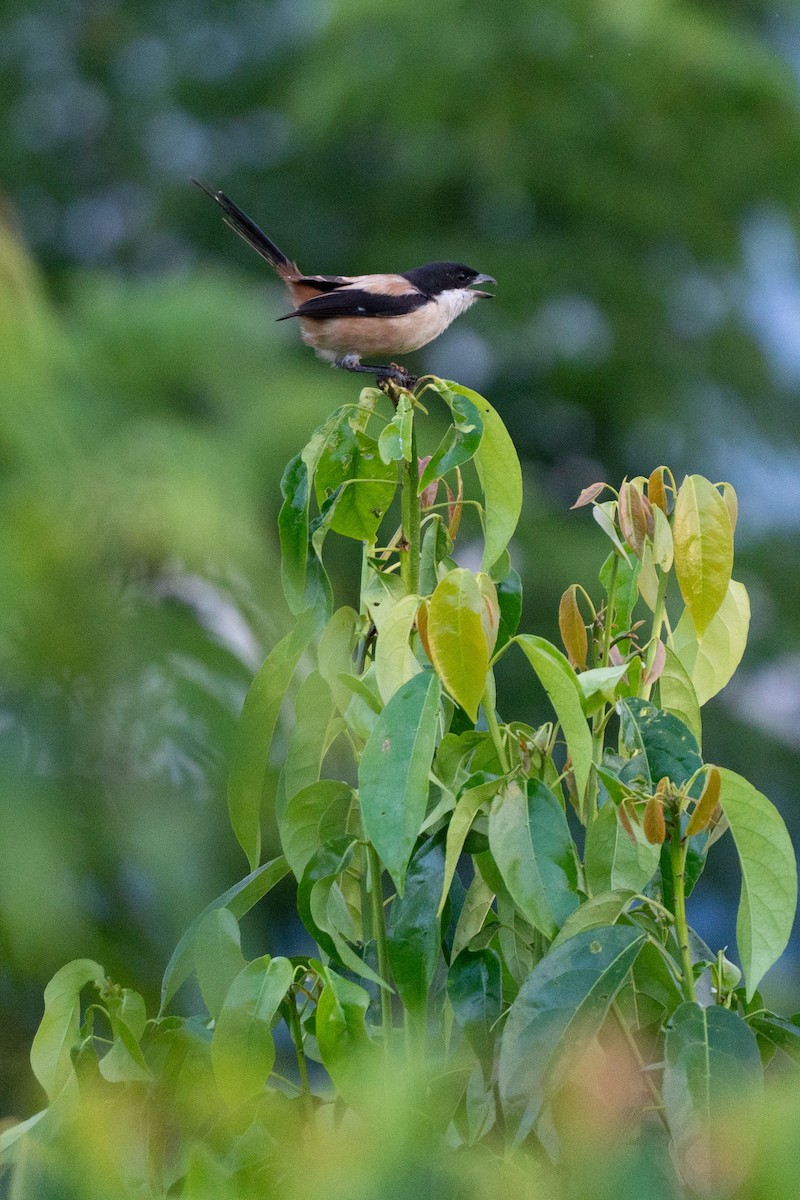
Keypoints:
(456, 638)
(703, 539)
(395, 663)
(711, 659)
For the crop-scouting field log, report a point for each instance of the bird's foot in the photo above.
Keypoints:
(391, 374)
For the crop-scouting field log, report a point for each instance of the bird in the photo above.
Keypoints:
(347, 317)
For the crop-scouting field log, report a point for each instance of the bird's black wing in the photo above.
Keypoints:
(357, 302)
(323, 283)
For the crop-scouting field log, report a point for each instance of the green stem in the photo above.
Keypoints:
(612, 584)
(655, 633)
(489, 701)
(678, 862)
(409, 560)
(297, 1038)
(379, 932)
(633, 1046)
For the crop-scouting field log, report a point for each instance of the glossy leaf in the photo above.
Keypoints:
(535, 855)
(238, 899)
(348, 1054)
(467, 807)
(250, 753)
(459, 443)
(711, 1060)
(58, 1029)
(395, 662)
(490, 611)
(314, 815)
(352, 473)
(218, 956)
(242, 1049)
(612, 861)
(572, 628)
(456, 639)
(711, 660)
(475, 991)
(414, 933)
(769, 876)
(509, 597)
(600, 685)
(677, 694)
(561, 684)
(669, 747)
(393, 772)
(703, 539)
(626, 589)
(559, 1009)
(394, 443)
(500, 478)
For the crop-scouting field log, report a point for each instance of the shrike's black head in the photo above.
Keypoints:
(438, 277)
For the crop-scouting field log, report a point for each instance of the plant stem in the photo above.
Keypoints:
(612, 583)
(678, 861)
(637, 1054)
(379, 931)
(655, 633)
(409, 559)
(297, 1038)
(489, 700)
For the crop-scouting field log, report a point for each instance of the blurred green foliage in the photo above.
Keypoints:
(626, 171)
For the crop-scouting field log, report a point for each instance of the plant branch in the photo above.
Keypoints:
(379, 930)
(678, 862)
(409, 560)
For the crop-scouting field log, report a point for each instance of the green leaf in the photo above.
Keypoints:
(352, 473)
(711, 1060)
(500, 478)
(603, 909)
(394, 443)
(59, 1027)
(218, 956)
(612, 862)
(677, 694)
(293, 531)
(669, 747)
(703, 540)
(650, 994)
(238, 899)
(335, 653)
(599, 685)
(472, 797)
(783, 1035)
(395, 662)
(242, 1049)
(414, 934)
(559, 1009)
(313, 816)
(437, 545)
(534, 852)
(509, 597)
(310, 738)
(125, 1062)
(456, 639)
(475, 991)
(626, 589)
(256, 727)
(460, 442)
(348, 1054)
(474, 911)
(711, 660)
(393, 772)
(769, 876)
(561, 684)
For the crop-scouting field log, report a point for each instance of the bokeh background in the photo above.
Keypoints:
(627, 169)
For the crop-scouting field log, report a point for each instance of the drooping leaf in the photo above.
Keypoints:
(711, 659)
(395, 662)
(437, 546)
(572, 628)
(535, 855)
(769, 876)
(474, 911)
(561, 684)
(677, 694)
(560, 1007)
(250, 753)
(459, 443)
(393, 772)
(314, 815)
(348, 1054)
(703, 540)
(475, 991)
(625, 589)
(500, 478)
(310, 738)
(414, 933)
(125, 1062)
(602, 909)
(467, 807)
(704, 809)
(509, 597)
(238, 899)
(394, 443)
(242, 1049)
(612, 861)
(335, 653)
(600, 685)
(774, 1031)
(218, 956)
(711, 1060)
(58, 1029)
(456, 638)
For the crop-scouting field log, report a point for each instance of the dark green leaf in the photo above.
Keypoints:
(347, 1053)
(414, 934)
(313, 816)
(783, 1035)
(458, 445)
(669, 747)
(509, 597)
(242, 1049)
(560, 1007)
(474, 987)
(353, 475)
(611, 860)
(393, 773)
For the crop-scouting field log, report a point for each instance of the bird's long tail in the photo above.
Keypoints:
(254, 236)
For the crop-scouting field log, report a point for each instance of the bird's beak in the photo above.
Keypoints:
(484, 279)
